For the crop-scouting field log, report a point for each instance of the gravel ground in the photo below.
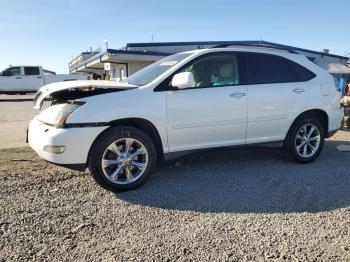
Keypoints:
(236, 205)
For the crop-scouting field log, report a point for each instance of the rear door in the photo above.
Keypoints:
(277, 90)
(32, 80)
(11, 79)
(212, 113)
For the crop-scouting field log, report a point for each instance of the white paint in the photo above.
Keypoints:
(194, 118)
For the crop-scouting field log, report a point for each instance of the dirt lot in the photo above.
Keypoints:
(15, 113)
(14, 118)
(250, 204)
(242, 204)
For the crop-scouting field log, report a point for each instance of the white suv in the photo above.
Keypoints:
(188, 101)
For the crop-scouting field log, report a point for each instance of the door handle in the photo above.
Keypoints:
(39, 77)
(237, 95)
(299, 90)
(18, 77)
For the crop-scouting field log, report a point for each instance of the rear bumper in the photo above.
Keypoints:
(77, 142)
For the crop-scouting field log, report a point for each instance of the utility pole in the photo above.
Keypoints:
(106, 43)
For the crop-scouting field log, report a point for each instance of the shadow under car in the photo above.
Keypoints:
(249, 180)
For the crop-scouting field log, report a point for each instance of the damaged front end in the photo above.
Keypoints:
(71, 94)
(57, 115)
(71, 90)
(67, 97)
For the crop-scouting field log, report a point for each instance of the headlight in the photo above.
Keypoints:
(57, 115)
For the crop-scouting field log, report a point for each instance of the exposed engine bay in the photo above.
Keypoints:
(67, 91)
(76, 93)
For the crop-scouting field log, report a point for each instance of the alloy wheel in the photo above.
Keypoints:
(307, 140)
(124, 161)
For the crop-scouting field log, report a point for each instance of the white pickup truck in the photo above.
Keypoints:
(25, 79)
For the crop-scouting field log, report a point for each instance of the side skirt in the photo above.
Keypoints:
(178, 154)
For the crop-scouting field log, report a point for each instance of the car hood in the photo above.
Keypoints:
(70, 90)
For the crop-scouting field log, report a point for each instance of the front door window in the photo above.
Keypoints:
(215, 70)
(12, 71)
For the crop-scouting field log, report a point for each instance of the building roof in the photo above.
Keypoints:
(132, 52)
(119, 51)
(336, 68)
(85, 53)
(248, 42)
(199, 44)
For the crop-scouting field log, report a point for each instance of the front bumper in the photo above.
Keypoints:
(77, 142)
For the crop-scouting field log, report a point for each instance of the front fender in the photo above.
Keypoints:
(136, 103)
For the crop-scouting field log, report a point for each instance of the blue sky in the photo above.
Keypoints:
(50, 32)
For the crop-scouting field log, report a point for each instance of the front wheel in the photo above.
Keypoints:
(305, 140)
(122, 158)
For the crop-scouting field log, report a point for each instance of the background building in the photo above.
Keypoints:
(120, 63)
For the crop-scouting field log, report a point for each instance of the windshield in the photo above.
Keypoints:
(151, 72)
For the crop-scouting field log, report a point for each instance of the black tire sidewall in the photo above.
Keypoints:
(292, 135)
(104, 140)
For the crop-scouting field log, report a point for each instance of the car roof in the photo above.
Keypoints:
(23, 66)
(269, 50)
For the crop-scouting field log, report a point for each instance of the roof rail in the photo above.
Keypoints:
(255, 44)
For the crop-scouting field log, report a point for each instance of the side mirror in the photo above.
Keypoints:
(5, 73)
(183, 80)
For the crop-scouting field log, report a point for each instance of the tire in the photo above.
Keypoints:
(120, 171)
(313, 142)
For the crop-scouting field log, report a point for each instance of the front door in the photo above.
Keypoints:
(11, 80)
(212, 113)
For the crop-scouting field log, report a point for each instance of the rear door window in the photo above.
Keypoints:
(266, 69)
(31, 70)
(296, 73)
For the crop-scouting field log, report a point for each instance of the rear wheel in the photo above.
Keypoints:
(122, 158)
(305, 139)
